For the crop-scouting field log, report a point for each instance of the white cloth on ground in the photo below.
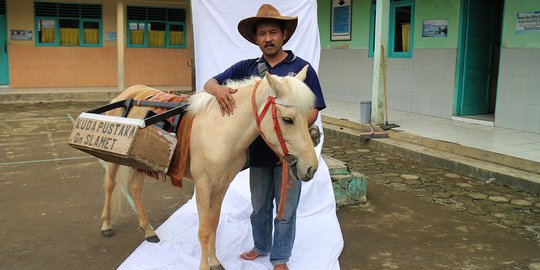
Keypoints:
(319, 241)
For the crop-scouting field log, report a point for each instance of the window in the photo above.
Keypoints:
(401, 28)
(62, 24)
(150, 27)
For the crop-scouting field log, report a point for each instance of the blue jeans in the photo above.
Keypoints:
(265, 186)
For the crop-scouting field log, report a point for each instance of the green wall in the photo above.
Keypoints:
(429, 10)
(360, 24)
(510, 38)
(424, 10)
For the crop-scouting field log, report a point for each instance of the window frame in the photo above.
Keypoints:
(56, 31)
(149, 22)
(167, 31)
(81, 29)
(145, 34)
(57, 19)
(168, 36)
(391, 31)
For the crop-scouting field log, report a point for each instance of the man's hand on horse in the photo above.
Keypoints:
(226, 100)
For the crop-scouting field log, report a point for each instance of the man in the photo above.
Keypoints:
(270, 31)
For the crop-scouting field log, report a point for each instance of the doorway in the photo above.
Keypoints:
(4, 69)
(478, 59)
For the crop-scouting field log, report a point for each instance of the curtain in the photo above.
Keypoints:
(69, 36)
(47, 35)
(136, 37)
(91, 36)
(176, 38)
(406, 37)
(156, 38)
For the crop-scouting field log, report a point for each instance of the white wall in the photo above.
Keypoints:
(518, 93)
(346, 74)
(423, 84)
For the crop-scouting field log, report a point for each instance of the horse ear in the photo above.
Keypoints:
(302, 74)
(275, 84)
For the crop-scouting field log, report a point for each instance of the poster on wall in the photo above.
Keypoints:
(528, 22)
(110, 36)
(21, 35)
(340, 20)
(435, 28)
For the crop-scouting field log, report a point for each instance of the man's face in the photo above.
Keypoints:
(269, 38)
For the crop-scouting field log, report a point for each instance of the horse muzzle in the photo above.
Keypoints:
(292, 163)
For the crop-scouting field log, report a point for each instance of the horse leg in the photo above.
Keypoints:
(209, 207)
(108, 185)
(202, 196)
(136, 189)
(215, 210)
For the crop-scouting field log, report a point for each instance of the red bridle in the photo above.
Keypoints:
(271, 102)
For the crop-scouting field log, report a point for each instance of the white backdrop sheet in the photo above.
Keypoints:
(319, 241)
(218, 44)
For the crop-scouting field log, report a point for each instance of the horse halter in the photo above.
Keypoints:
(271, 102)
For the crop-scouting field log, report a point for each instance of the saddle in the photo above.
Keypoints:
(182, 127)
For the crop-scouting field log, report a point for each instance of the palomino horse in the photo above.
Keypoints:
(217, 149)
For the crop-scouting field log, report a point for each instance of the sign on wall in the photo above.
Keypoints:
(341, 20)
(110, 36)
(21, 35)
(528, 22)
(435, 28)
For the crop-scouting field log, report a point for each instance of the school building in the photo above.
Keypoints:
(66, 43)
(444, 58)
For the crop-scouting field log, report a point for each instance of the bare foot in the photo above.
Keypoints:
(250, 255)
(281, 267)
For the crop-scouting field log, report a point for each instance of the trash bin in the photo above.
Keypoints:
(365, 112)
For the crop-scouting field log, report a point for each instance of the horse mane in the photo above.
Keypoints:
(201, 101)
(303, 97)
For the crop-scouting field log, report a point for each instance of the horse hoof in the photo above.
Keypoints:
(152, 239)
(217, 267)
(107, 233)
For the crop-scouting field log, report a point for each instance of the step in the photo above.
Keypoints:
(350, 188)
(336, 167)
(459, 159)
(480, 154)
(356, 129)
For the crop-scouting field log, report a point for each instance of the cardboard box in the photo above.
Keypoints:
(125, 141)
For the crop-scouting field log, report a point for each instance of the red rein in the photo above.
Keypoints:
(284, 172)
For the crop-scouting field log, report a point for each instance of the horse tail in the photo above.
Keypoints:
(120, 194)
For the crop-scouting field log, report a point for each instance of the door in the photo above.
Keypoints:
(4, 70)
(479, 38)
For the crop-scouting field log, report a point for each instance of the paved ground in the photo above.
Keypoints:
(417, 217)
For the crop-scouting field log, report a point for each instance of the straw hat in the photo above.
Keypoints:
(246, 27)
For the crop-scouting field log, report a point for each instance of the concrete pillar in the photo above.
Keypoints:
(381, 38)
(120, 21)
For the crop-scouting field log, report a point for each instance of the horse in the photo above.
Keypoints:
(218, 147)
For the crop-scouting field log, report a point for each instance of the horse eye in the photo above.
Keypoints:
(288, 120)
